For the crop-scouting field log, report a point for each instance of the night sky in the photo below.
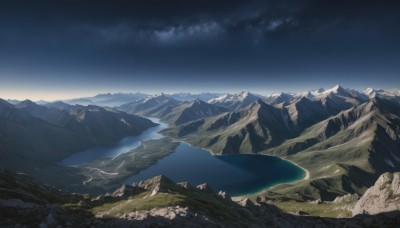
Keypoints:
(65, 48)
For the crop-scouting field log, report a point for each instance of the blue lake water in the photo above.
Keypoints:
(235, 174)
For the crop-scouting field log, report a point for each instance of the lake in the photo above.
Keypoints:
(236, 174)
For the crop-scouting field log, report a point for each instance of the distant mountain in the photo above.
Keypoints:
(309, 108)
(280, 98)
(191, 110)
(108, 99)
(234, 102)
(393, 94)
(156, 105)
(370, 92)
(98, 124)
(13, 101)
(61, 105)
(190, 96)
(255, 128)
(341, 96)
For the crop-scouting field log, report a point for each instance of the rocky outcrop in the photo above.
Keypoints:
(127, 190)
(347, 198)
(205, 188)
(384, 196)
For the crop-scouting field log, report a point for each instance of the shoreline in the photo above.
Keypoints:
(306, 177)
(294, 163)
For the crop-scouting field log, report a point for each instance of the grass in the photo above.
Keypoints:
(321, 210)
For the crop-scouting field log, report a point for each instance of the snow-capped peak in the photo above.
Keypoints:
(242, 95)
(231, 97)
(335, 89)
(154, 97)
(370, 92)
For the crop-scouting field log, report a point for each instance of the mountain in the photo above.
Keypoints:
(171, 110)
(13, 101)
(255, 128)
(347, 152)
(336, 93)
(344, 151)
(156, 105)
(191, 110)
(305, 112)
(107, 99)
(234, 102)
(190, 96)
(61, 105)
(280, 98)
(393, 94)
(25, 138)
(309, 108)
(94, 123)
(35, 138)
(370, 92)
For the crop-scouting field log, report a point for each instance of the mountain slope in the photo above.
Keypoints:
(310, 108)
(156, 106)
(33, 145)
(191, 110)
(347, 152)
(23, 136)
(255, 128)
(95, 123)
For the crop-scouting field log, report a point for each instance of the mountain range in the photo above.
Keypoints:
(344, 139)
(35, 138)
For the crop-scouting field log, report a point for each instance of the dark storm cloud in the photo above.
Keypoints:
(215, 39)
(164, 21)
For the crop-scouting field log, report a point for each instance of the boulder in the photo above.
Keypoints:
(380, 198)
(205, 188)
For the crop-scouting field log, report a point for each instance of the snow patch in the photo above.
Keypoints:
(126, 123)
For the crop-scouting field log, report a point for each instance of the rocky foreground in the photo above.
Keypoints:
(161, 202)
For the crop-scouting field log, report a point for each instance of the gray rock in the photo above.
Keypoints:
(317, 201)
(380, 198)
(127, 190)
(205, 188)
(346, 198)
(224, 195)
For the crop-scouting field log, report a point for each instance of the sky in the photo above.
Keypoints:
(56, 49)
